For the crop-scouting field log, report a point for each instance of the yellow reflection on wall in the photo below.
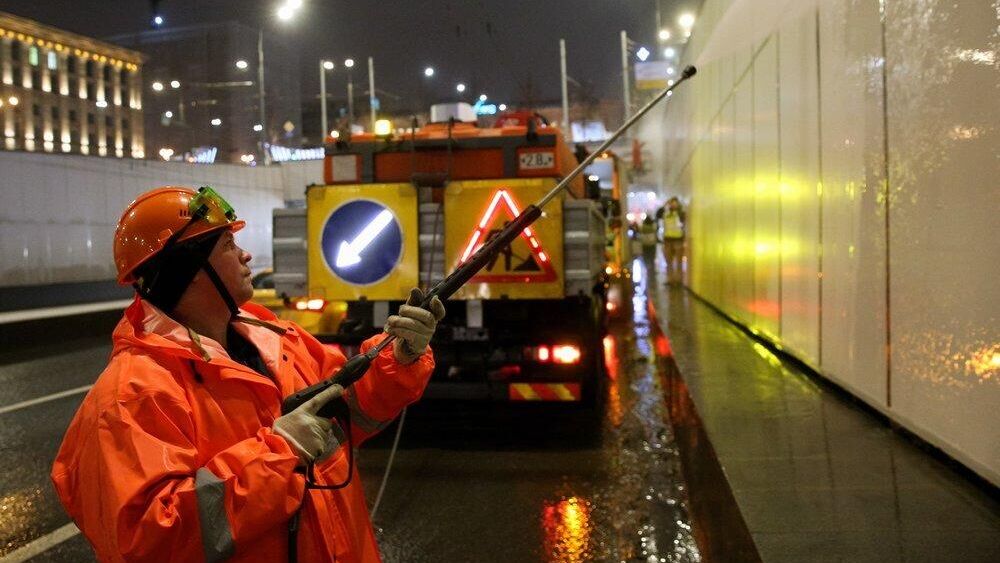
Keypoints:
(567, 530)
(985, 363)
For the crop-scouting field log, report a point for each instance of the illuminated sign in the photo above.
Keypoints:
(361, 242)
(285, 154)
(482, 108)
(523, 260)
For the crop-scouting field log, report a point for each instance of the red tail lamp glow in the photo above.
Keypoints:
(663, 346)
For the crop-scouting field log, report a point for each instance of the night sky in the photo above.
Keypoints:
(504, 48)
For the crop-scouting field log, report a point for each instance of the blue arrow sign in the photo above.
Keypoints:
(362, 242)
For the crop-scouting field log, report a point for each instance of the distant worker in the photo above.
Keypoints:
(180, 451)
(648, 239)
(674, 223)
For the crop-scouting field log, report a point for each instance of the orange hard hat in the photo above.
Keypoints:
(153, 217)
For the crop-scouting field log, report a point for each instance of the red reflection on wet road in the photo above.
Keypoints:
(567, 528)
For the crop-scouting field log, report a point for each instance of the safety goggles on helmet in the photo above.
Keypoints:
(207, 205)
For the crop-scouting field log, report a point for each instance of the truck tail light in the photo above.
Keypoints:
(566, 354)
(556, 353)
(542, 354)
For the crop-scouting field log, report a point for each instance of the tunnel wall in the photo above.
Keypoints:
(843, 180)
(58, 212)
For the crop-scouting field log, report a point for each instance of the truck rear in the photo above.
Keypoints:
(399, 211)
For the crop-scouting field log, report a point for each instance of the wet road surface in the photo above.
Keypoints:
(470, 481)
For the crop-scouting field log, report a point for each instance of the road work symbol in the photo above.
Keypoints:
(522, 261)
(362, 242)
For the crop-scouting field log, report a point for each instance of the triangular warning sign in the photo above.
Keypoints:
(523, 261)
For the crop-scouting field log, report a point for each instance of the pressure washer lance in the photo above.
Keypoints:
(356, 367)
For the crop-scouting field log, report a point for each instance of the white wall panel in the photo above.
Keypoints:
(742, 196)
(852, 151)
(944, 134)
(766, 305)
(797, 188)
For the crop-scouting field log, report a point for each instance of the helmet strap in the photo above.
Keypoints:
(221, 288)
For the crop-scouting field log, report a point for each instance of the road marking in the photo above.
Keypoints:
(65, 311)
(42, 544)
(45, 399)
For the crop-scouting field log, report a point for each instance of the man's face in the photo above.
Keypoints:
(230, 261)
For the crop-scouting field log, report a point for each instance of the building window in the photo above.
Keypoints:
(33, 55)
(53, 60)
(36, 110)
(123, 80)
(71, 65)
(36, 77)
(55, 114)
(90, 119)
(15, 53)
(72, 116)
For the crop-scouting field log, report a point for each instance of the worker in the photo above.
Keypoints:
(648, 239)
(180, 450)
(674, 223)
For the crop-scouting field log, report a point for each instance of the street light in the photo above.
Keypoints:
(686, 20)
(429, 72)
(241, 64)
(285, 13)
(664, 35)
(216, 122)
(460, 87)
(168, 114)
(349, 63)
(175, 84)
(158, 86)
(323, 67)
(670, 52)
(482, 97)
(158, 20)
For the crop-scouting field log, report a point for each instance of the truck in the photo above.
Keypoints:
(402, 208)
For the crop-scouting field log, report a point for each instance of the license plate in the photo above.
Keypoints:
(466, 334)
(537, 160)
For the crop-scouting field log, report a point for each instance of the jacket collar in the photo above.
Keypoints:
(146, 326)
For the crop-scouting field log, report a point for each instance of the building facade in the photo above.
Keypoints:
(65, 93)
(202, 92)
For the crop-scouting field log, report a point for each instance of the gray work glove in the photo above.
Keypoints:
(309, 435)
(413, 327)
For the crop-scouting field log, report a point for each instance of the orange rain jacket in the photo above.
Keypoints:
(172, 457)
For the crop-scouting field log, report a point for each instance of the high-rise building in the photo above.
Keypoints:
(66, 93)
(202, 92)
